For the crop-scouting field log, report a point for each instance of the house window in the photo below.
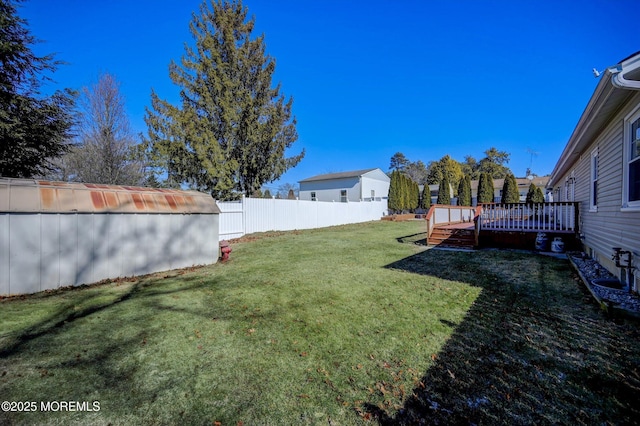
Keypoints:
(313, 196)
(373, 194)
(593, 192)
(631, 161)
(343, 195)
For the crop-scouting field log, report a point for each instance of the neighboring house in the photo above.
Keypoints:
(600, 169)
(357, 185)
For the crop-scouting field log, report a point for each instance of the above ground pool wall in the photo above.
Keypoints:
(46, 250)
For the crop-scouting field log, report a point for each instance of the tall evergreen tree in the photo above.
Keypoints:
(510, 192)
(34, 130)
(444, 191)
(414, 198)
(231, 129)
(426, 197)
(534, 195)
(485, 189)
(404, 192)
(464, 191)
(393, 201)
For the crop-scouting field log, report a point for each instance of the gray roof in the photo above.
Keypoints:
(341, 175)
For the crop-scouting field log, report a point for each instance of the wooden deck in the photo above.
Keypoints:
(527, 225)
(509, 224)
(463, 225)
(559, 217)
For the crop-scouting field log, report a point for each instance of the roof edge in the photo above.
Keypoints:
(612, 79)
(340, 175)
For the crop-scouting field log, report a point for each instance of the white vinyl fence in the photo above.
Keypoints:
(251, 215)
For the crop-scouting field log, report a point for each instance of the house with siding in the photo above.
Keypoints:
(356, 185)
(600, 169)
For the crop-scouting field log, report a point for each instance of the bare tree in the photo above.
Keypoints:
(289, 191)
(106, 151)
(417, 171)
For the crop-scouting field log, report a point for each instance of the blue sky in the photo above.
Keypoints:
(371, 78)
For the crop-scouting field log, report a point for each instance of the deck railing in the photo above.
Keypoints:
(538, 217)
(440, 214)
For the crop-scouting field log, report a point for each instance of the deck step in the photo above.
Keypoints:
(456, 238)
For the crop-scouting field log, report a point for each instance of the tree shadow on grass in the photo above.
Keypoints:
(86, 303)
(91, 347)
(532, 349)
(419, 238)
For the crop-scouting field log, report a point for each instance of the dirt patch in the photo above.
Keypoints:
(261, 235)
(403, 217)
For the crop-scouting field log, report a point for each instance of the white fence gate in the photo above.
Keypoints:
(251, 215)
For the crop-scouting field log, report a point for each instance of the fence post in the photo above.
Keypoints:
(244, 215)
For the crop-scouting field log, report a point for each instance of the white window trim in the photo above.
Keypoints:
(593, 206)
(626, 138)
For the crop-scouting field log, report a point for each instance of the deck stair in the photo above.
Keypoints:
(451, 237)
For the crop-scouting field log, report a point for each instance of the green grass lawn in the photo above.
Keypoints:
(334, 326)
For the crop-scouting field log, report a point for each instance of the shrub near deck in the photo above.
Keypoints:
(342, 324)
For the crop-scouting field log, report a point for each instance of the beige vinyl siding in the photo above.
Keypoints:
(607, 227)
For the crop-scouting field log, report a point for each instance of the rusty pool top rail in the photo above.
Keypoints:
(40, 196)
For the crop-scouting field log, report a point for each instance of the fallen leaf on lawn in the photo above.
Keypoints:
(451, 374)
(382, 389)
